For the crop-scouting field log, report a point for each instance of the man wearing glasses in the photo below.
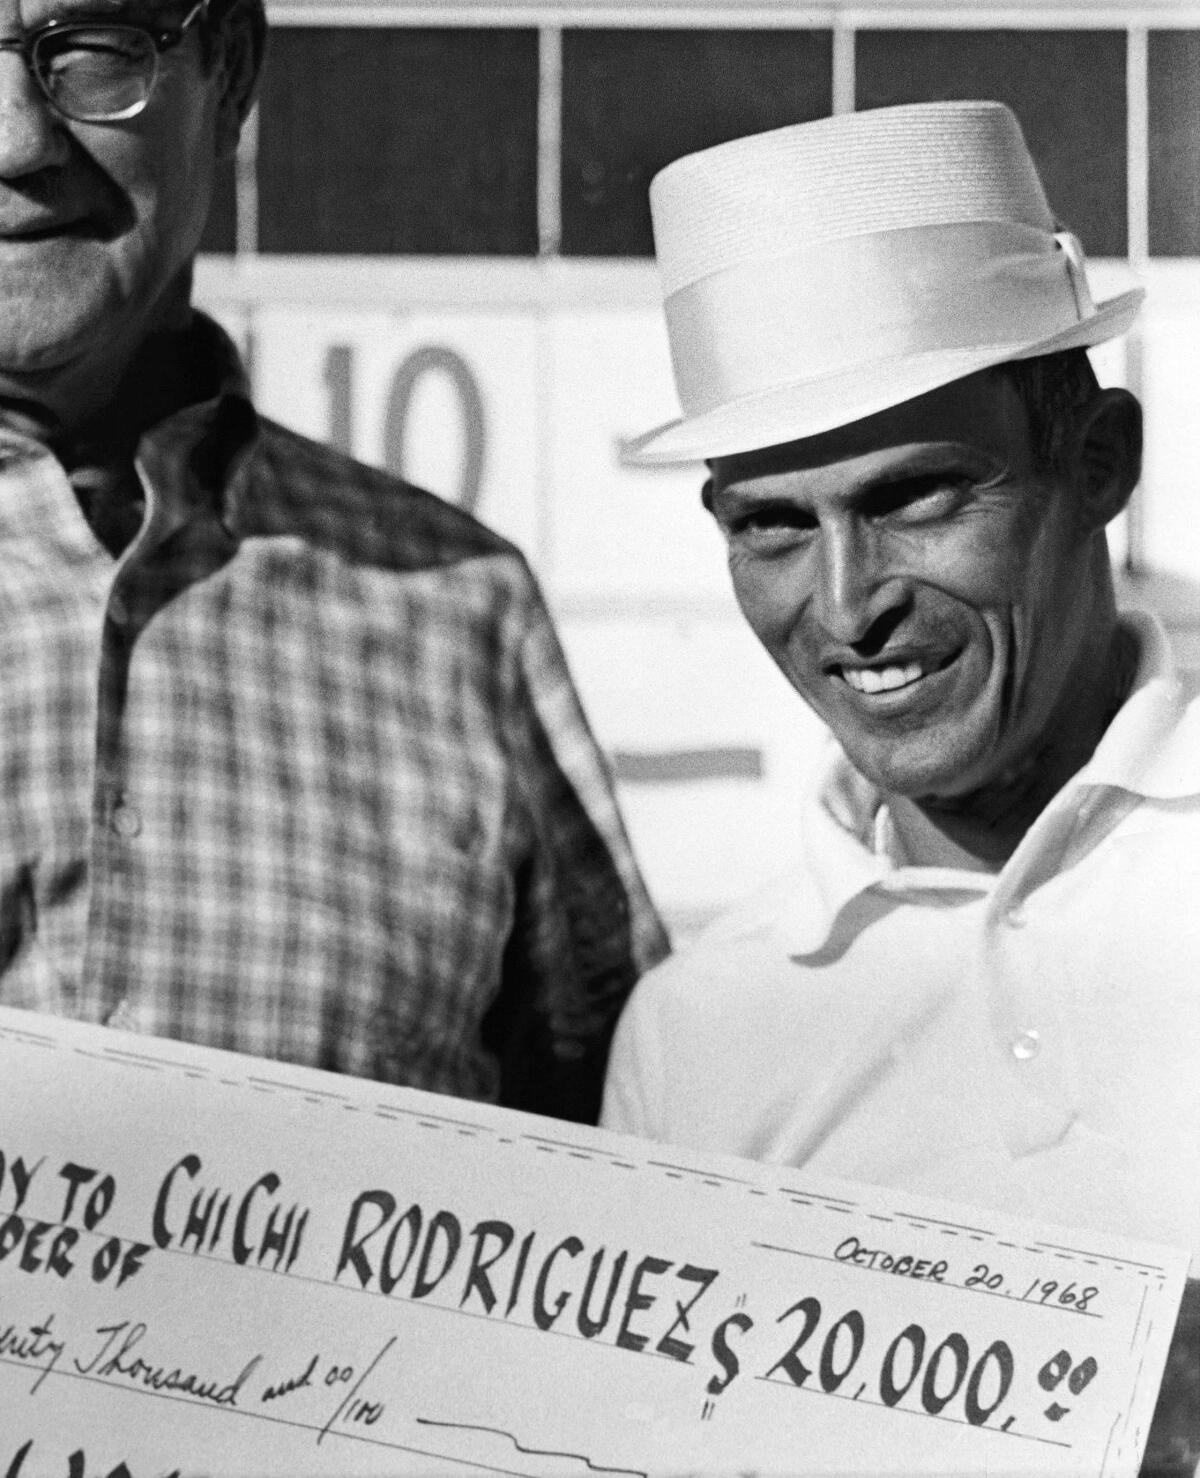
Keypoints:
(291, 763)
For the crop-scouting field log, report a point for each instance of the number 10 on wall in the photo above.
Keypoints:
(424, 366)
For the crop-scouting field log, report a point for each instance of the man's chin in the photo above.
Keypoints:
(44, 331)
(944, 750)
(42, 358)
(921, 768)
(41, 373)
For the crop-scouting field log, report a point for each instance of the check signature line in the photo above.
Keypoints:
(579, 1457)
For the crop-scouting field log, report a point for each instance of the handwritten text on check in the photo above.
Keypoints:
(217, 1265)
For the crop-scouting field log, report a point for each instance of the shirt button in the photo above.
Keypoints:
(1015, 917)
(126, 822)
(1026, 1045)
(118, 609)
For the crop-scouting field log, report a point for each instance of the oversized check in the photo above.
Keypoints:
(217, 1265)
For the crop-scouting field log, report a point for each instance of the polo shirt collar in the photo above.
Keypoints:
(1151, 749)
(1152, 746)
(845, 852)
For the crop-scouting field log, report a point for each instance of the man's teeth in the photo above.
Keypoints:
(881, 679)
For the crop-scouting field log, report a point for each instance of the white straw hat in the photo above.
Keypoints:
(820, 273)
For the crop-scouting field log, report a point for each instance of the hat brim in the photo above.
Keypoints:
(808, 407)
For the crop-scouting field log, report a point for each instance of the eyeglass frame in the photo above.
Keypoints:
(163, 38)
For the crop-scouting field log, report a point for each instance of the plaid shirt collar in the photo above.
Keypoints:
(196, 461)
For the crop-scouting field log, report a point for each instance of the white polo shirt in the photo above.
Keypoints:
(1027, 1041)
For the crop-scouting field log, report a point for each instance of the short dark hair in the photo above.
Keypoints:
(1053, 388)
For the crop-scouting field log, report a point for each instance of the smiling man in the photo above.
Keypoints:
(291, 762)
(112, 120)
(981, 979)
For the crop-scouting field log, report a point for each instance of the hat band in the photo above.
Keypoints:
(837, 304)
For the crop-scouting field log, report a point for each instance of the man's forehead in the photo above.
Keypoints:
(981, 417)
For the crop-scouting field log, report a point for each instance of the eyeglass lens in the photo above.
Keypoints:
(96, 72)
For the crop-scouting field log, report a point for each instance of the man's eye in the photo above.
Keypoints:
(92, 49)
(919, 499)
(771, 521)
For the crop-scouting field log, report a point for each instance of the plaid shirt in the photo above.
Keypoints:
(302, 774)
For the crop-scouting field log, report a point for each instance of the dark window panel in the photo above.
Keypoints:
(1175, 143)
(399, 140)
(633, 100)
(220, 231)
(1066, 87)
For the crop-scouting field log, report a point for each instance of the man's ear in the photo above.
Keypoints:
(240, 39)
(1108, 455)
(706, 493)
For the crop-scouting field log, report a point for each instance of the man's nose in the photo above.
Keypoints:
(31, 137)
(857, 585)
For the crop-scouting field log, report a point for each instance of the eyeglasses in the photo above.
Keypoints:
(97, 73)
